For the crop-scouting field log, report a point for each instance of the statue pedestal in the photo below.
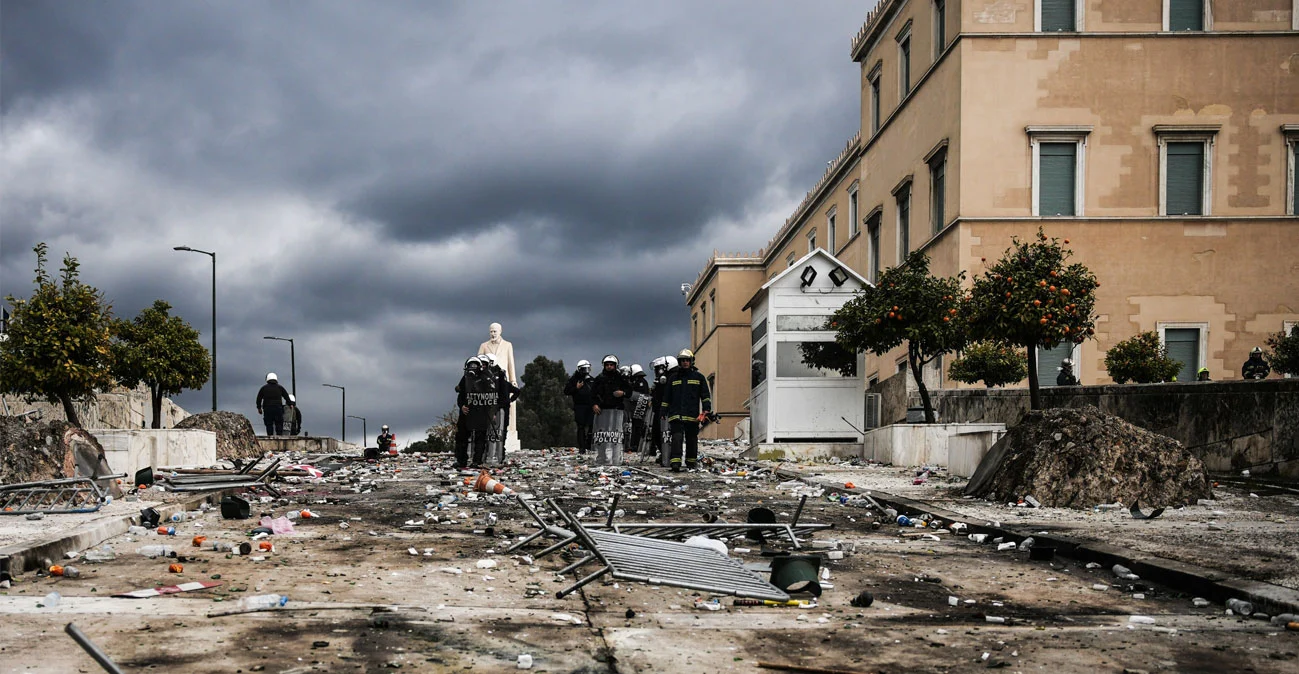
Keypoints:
(512, 441)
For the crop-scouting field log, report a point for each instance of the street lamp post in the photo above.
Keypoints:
(365, 433)
(293, 363)
(214, 362)
(344, 390)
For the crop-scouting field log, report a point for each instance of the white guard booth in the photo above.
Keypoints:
(793, 403)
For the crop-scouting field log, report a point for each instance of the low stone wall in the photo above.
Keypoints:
(1230, 425)
(309, 445)
(129, 451)
(119, 408)
(947, 445)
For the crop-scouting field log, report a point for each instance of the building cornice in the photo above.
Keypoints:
(833, 174)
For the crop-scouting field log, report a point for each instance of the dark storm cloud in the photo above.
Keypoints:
(382, 180)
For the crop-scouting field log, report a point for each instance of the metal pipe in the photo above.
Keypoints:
(575, 565)
(613, 507)
(798, 513)
(578, 585)
(91, 649)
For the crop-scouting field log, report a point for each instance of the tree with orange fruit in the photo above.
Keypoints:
(1032, 298)
(907, 305)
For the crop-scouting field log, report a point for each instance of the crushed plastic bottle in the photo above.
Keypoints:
(157, 551)
(51, 600)
(263, 601)
(103, 553)
(1240, 606)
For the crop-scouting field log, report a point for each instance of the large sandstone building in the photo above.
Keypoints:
(1160, 137)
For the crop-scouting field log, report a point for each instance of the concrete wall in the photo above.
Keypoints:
(309, 445)
(932, 444)
(130, 450)
(119, 408)
(1229, 425)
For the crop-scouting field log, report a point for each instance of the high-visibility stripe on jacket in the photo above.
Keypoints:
(685, 394)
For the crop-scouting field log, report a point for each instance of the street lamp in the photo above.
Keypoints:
(293, 364)
(364, 433)
(344, 390)
(214, 369)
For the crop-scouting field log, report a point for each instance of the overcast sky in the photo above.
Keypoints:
(382, 180)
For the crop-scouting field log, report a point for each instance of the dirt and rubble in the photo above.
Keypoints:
(235, 437)
(32, 451)
(409, 537)
(1078, 457)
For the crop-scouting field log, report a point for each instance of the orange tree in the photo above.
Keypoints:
(1032, 298)
(58, 340)
(907, 305)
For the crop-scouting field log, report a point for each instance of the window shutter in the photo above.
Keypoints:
(1184, 186)
(1058, 15)
(938, 193)
(1183, 346)
(904, 226)
(1185, 14)
(1057, 178)
(1048, 363)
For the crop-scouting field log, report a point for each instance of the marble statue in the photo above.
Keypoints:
(504, 352)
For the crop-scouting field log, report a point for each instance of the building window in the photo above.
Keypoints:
(758, 367)
(875, 99)
(1291, 132)
(712, 383)
(830, 229)
(1185, 169)
(938, 190)
(789, 260)
(1049, 362)
(1058, 15)
(854, 226)
(1058, 169)
(940, 27)
(694, 329)
(903, 196)
(873, 234)
(712, 299)
(811, 240)
(703, 311)
(811, 360)
(1186, 343)
(904, 61)
(1186, 15)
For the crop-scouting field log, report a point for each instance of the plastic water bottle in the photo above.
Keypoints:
(1240, 606)
(263, 601)
(71, 572)
(51, 600)
(178, 517)
(137, 530)
(157, 551)
(102, 553)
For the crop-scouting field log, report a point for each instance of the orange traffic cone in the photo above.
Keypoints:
(485, 483)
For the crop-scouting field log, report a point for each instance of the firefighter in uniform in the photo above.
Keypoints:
(686, 403)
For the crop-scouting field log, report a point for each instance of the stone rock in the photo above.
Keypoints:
(1081, 457)
(50, 450)
(235, 438)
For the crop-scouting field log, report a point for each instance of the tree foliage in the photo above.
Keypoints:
(1140, 359)
(1033, 299)
(907, 305)
(162, 352)
(1283, 352)
(58, 347)
(545, 414)
(829, 356)
(993, 363)
(440, 437)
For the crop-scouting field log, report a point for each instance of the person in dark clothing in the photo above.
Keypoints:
(271, 399)
(609, 389)
(509, 392)
(293, 417)
(1066, 376)
(637, 407)
(386, 440)
(462, 419)
(687, 392)
(1255, 367)
(659, 423)
(579, 389)
(478, 403)
(1202, 374)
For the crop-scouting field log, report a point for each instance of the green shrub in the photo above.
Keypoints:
(993, 363)
(1283, 352)
(1140, 359)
